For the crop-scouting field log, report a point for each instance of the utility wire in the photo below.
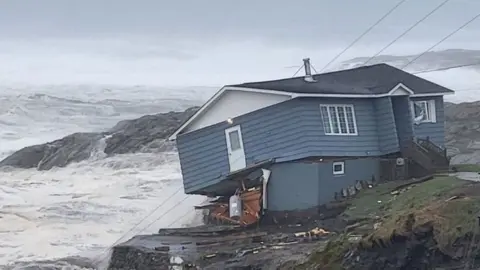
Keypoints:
(298, 70)
(181, 217)
(151, 223)
(443, 39)
(363, 34)
(134, 227)
(407, 31)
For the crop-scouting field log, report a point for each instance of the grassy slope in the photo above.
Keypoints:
(430, 201)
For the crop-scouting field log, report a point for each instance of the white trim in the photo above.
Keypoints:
(401, 89)
(433, 110)
(342, 163)
(266, 176)
(331, 133)
(217, 95)
(240, 159)
(430, 106)
(433, 94)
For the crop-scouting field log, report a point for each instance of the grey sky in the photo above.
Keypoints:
(152, 36)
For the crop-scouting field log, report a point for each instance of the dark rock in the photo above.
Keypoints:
(146, 133)
(415, 250)
(212, 248)
(132, 135)
(73, 148)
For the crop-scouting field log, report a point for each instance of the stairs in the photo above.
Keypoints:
(428, 155)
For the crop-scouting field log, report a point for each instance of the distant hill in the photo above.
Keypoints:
(432, 60)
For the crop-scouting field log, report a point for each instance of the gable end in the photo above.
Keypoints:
(228, 103)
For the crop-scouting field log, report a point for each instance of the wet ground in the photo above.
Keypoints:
(218, 247)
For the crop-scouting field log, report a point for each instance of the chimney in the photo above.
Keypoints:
(308, 70)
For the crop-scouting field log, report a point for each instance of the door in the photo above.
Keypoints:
(403, 119)
(236, 152)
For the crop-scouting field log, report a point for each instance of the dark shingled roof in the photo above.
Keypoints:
(367, 80)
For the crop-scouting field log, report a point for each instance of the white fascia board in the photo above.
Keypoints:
(217, 95)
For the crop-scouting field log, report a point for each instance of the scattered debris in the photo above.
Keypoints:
(216, 247)
(451, 198)
(250, 205)
(313, 232)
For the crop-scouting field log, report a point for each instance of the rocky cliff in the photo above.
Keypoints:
(146, 133)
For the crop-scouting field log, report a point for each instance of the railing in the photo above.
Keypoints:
(426, 143)
(438, 154)
(427, 154)
(419, 154)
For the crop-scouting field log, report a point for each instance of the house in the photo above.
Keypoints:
(304, 139)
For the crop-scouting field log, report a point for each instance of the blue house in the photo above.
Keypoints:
(304, 139)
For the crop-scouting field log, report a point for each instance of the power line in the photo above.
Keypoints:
(168, 211)
(134, 227)
(407, 31)
(300, 68)
(316, 72)
(443, 39)
(363, 34)
(181, 217)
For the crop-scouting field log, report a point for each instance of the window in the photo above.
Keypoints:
(338, 167)
(234, 140)
(424, 111)
(338, 119)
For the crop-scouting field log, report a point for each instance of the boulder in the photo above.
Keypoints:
(146, 133)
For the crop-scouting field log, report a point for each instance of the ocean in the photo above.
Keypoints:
(82, 209)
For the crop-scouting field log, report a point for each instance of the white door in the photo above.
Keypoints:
(236, 152)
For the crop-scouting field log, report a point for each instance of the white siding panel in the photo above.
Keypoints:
(235, 103)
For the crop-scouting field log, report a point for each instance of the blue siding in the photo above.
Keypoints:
(436, 131)
(299, 185)
(355, 169)
(403, 119)
(386, 127)
(291, 129)
(293, 185)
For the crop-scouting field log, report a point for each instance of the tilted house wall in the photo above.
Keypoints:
(292, 130)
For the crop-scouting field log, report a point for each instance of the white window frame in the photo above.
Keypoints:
(431, 116)
(336, 163)
(330, 122)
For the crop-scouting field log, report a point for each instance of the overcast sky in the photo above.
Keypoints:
(208, 42)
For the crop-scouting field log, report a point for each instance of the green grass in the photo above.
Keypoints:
(428, 202)
(467, 167)
(378, 202)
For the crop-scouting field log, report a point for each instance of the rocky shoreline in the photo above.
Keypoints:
(220, 247)
(146, 133)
